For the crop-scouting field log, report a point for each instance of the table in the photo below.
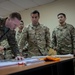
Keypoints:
(62, 67)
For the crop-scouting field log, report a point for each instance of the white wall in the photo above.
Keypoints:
(49, 13)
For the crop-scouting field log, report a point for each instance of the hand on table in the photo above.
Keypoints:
(19, 58)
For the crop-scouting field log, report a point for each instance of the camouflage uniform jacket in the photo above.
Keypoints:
(38, 38)
(18, 36)
(10, 36)
(63, 39)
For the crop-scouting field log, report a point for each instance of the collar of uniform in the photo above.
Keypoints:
(63, 27)
(35, 26)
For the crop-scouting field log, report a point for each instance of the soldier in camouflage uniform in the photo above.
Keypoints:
(7, 32)
(63, 36)
(18, 33)
(37, 36)
(18, 37)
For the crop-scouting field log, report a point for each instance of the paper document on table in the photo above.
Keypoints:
(64, 56)
(7, 63)
(26, 61)
(30, 61)
(38, 57)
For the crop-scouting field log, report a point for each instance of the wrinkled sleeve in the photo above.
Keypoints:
(5, 44)
(23, 39)
(12, 42)
(18, 36)
(47, 36)
(73, 37)
(54, 40)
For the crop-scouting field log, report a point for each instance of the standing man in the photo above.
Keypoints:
(37, 37)
(18, 33)
(7, 31)
(63, 36)
(18, 37)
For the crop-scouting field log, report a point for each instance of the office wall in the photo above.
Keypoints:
(49, 13)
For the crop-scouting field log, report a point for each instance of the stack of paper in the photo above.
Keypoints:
(26, 61)
(64, 56)
(38, 57)
(7, 63)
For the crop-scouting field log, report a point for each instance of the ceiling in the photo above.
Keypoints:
(8, 6)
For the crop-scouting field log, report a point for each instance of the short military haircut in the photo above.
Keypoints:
(15, 15)
(61, 14)
(36, 12)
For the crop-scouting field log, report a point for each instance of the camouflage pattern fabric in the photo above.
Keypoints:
(18, 37)
(5, 54)
(63, 39)
(38, 38)
(10, 36)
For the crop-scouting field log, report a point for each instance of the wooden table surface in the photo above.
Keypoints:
(17, 68)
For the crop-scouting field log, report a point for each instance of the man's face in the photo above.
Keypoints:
(61, 19)
(34, 18)
(12, 23)
(21, 26)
